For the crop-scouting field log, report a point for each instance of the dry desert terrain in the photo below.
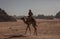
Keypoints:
(46, 29)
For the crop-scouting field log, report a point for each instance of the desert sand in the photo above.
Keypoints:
(46, 29)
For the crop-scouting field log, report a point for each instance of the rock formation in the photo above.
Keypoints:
(4, 17)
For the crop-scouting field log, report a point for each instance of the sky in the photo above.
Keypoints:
(21, 7)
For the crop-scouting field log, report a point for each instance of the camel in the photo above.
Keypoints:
(29, 22)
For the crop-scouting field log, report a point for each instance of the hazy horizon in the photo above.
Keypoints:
(21, 7)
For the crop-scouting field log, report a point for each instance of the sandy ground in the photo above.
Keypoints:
(46, 29)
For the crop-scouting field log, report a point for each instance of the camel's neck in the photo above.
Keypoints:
(24, 20)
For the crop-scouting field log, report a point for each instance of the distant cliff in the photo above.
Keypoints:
(58, 15)
(4, 17)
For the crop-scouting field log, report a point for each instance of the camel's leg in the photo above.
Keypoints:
(27, 29)
(35, 30)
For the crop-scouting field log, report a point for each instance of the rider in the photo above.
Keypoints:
(30, 15)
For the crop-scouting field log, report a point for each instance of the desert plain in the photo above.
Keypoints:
(46, 29)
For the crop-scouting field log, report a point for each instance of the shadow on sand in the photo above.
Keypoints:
(13, 36)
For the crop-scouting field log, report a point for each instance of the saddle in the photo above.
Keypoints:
(31, 19)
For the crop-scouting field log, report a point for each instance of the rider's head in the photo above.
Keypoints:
(29, 10)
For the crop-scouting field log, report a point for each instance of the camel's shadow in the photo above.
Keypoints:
(14, 36)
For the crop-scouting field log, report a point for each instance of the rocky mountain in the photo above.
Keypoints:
(4, 17)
